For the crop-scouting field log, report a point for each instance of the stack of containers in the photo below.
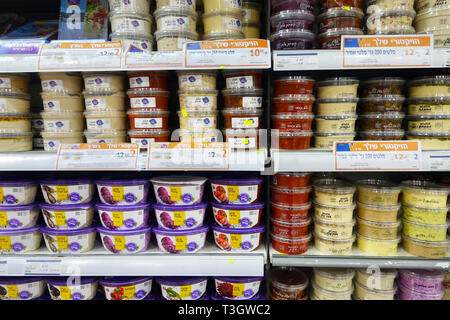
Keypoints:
(381, 108)
(420, 284)
(63, 109)
(292, 112)
(222, 20)
(288, 283)
(237, 213)
(149, 104)
(432, 18)
(290, 218)
(180, 213)
(375, 284)
(124, 214)
(37, 126)
(332, 284)
(251, 23)
(390, 17)
(333, 216)
(425, 218)
(337, 98)
(105, 107)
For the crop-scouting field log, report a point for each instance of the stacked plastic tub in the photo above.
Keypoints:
(222, 20)
(332, 284)
(420, 285)
(251, 23)
(375, 284)
(432, 18)
(390, 17)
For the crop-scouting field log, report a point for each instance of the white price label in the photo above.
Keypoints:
(40, 267)
(439, 162)
(154, 59)
(3, 267)
(302, 61)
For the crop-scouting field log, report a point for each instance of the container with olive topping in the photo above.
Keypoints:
(198, 100)
(333, 88)
(378, 192)
(14, 82)
(429, 87)
(326, 140)
(197, 79)
(431, 141)
(97, 81)
(198, 120)
(173, 40)
(14, 102)
(222, 20)
(340, 18)
(292, 39)
(336, 124)
(383, 86)
(390, 21)
(331, 39)
(242, 118)
(61, 81)
(378, 230)
(378, 279)
(424, 194)
(337, 107)
(235, 79)
(429, 106)
(432, 124)
(104, 100)
(292, 19)
(334, 192)
(383, 214)
(382, 104)
(386, 135)
(243, 98)
(299, 140)
(381, 121)
(334, 279)
(175, 19)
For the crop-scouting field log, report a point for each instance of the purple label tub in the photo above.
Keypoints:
(258, 296)
(20, 240)
(238, 240)
(124, 217)
(68, 288)
(237, 288)
(281, 5)
(299, 39)
(21, 288)
(182, 288)
(237, 216)
(69, 241)
(126, 288)
(422, 281)
(179, 190)
(122, 192)
(180, 217)
(14, 193)
(68, 216)
(125, 241)
(407, 294)
(18, 217)
(292, 19)
(236, 191)
(67, 191)
(181, 241)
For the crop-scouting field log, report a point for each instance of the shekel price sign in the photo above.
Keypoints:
(377, 155)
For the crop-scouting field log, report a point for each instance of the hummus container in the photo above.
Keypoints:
(336, 124)
(238, 79)
(294, 246)
(126, 288)
(299, 140)
(424, 194)
(244, 98)
(425, 232)
(14, 193)
(173, 18)
(292, 39)
(292, 122)
(129, 6)
(15, 142)
(282, 5)
(293, 104)
(290, 197)
(237, 215)
(67, 191)
(100, 121)
(52, 140)
(173, 40)
(292, 19)
(213, 5)
(104, 100)
(131, 22)
(290, 180)
(197, 79)
(378, 192)
(212, 135)
(14, 102)
(122, 192)
(429, 106)
(334, 246)
(407, 294)
(68, 216)
(124, 217)
(224, 20)
(178, 190)
(336, 107)
(21, 288)
(383, 87)
(61, 101)
(427, 249)
(152, 80)
(334, 279)
(334, 214)
(333, 192)
(125, 241)
(290, 230)
(63, 288)
(147, 118)
(377, 247)
(433, 19)
(15, 122)
(61, 81)
(381, 121)
(288, 283)
(378, 230)
(382, 104)
(182, 288)
(18, 216)
(333, 88)
(429, 87)
(295, 86)
(381, 279)
(238, 239)
(180, 217)
(242, 139)
(242, 118)
(62, 121)
(422, 281)
(432, 124)
(390, 21)
(199, 100)
(181, 241)
(290, 214)
(69, 241)
(197, 120)
(364, 293)
(16, 82)
(237, 288)
(331, 39)
(333, 18)
(332, 230)
(319, 293)
(431, 141)
(441, 38)
(252, 11)
(145, 137)
(387, 135)
(112, 136)
(99, 81)
(142, 41)
(20, 240)
(236, 190)
(431, 216)
(326, 140)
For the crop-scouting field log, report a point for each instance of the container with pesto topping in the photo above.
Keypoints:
(429, 87)
(333, 192)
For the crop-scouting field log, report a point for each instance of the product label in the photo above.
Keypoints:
(200, 101)
(244, 123)
(13, 291)
(52, 105)
(62, 192)
(3, 219)
(185, 3)
(232, 4)
(174, 22)
(148, 123)
(129, 25)
(17, 243)
(181, 195)
(181, 243)
(139, 82)
(51, 145)
(146, 102)
(187, 244)
(231, 23)
(5, 243)
(122, 220)
(3, 104)
(201, 122)
(5, 83)
(239, 194)
(125, 244)
(179, 220)
(242, 143)
(237, 291)
(97, 83)
(81, 292)
(118, 193)
(195, 291)
(52, 85)
(252, 102)
(239, 82)
(235, 218)
(24, 291)
(237, 242)
(66, 194)
(95, 103)
(190, 80)
(60, 218)
(56, 125)
(95, 124)
(62, 242)
(15, 195)
(134, 292)
(66, 219)
(120, 242)
(143, 143)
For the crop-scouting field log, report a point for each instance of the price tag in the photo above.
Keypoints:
(20, 55)
(119, 242)
(179, 217)
(387, 51)
(117, 218)
(249, 53)
(181, 243)
(295, 60)
(238, 289)
(118, 193)
(42, 267)
(235, 217)
(137, 59)
(185, 291)
(438, 162)
(3, 267)
(3, 219)
(98, 156)
(377, 156)
(129, 292)
(235, 240)
(60, 217)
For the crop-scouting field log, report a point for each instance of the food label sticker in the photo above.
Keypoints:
(51, 125)
(51, 145)
(13, 291)
(148, 123)
(118, 193)
(139, 82)
(231, 23)
(49, 85)
(252, 102)
(244, 123)
(238, 289)
(179, 217)
(66, 293)
(191, 80)
(235, 240)
(239, 82)
(171, 22)
(62, 192)
(242, 143)
(181, 243)
(5, 83)
(53, 105)
(119, 242)
(200, 101)
(95, 104)
(233, 193)
(232, 4)
(235, 217)
(62, 242)
(5, 243)
(117, 218)
(97, 82)
(3, 218)
(175, 193)
(129, 292)
(60, 218)
(2, 195)
(185, 291)
(147, 102)
(98, 124)
(179, 3)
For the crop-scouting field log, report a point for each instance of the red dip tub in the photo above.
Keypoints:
(237, 215)
(237, 239)
(290, 230)
(290, 214)
(291, 246)
(290, 197)
(293, 85)
(291, 180)
(235, 190)
(293, 103)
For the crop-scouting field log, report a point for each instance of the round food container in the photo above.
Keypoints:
(364, 293)
(125, 241)
(282, 5)
(427, 249)
(429, 87)
(386, 135)
(202, 100)
(429, 106)
(15, 122)
(422, 281)
(237, 215)
(377, 247)
(378, 5)
(334, 88)
(16, 141)
(424, 194)
(99, 81)
(331, 39)
(236, 79)
(182, 288)
(126, 288)
(425, 232)
(325, 140)
(112, 136)
(173, 18)
(441, 37)
(67, 216)
(290, 180)
(242, 139)
(62, 121)
(237, 288)
(61, 81)
(141, 41)
(292, 122)
(180, 217)
(290, 214)
(292, 246)
(381, 122)
(145, 137)
(61, 101)
(18, 216)
(336, 124)
(292, 19)
(379, 279)
(67, 191)
(194, 120)
(235, 190)
(378, 230)
(131, 22)
(14, 102)
(238, 239)
(337, 107)
(124, 217)
(431, 216)
(178, 190)
(222, 20)
(432, 124)
(243, 98)
(129, 6)
(293, 104)
(390, 21)
(149, 79)
(299, 140)
(334, 214)
(433, 19)
(287, 283)
(181, 241)
(290, 197)
(334, 279)
(334, 247)
(384, 214)
(333, 230)
(17, 192)
(389, 88)
(173, 40)
(431, 141)
(348, 17)
(21, 288)
(20, 240)
(69, 241)
(407, 294)
(333, 192)
(99, 121)
(212, 135)
(293, 85)
(382, 104)
(319, 293)
(197, 79)
(378, 192)
(148, 118)
(328, 4)
(63, 288)
(16, 82)
(52, 140)
(293, 39)
(242, 118)
(104, 100)
(122, 192)
(287, 230)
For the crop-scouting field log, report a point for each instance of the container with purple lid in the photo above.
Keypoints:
(63, 288)
(122, 192)
(407, 294)
(292, 19)
(129, 217)
(292, 39)
(67, 191)
(182, 288)
(181, 241)
(18, 217)
(125, 241)
(14, 193)
(237, 288)
(180, 217)
(20, 240)
(68, 216)
(178, 190)
(126, 288)
(236, 190)
(205, 296)
(238, 240)
(21, 288)
(237, 216)
(69, 241)
(282, 5)
(259, 296)
(422, 281)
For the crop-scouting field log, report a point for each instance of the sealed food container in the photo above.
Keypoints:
(333, 230)
(333, 192)
(212, 135)
(129, 6)
(407, 294)
(16, 192)
(378, 230)
(237, 288)
(20, 240)
(378, 192)
(62, 121)
(145, 137)
(148, 118)
(333, 88)
(383, 87)
(62, 101)
(290, 214)
(124, 217)
(293, 85)
(327, 4)
(427, 249)
(424, 194)
(175, 18)
(431, 141)
(99, 81)
(422, 281)
(325, 140)
(336, 124)
(216, 5)
(441, 37)
(69, 241)
(104, 100)
(149, 79)
(251, 30)
(179, 189)
(364, 293)
(338, 17)
(291, 180)
(432, 216)
(64, 288)
(244, 139)
(292, 122)
(195, 120)
(173, 40)
(15, 122)
(425, 232)
(236, 79)
(376, 279)
(292, 246)
(67, 191)
(181, 241)
(334, 246)
(390, 21)
(36, 122)
(334, 279)
(288, 283)
(331, 39)
(14, 102)
(68, 216)
(112, 136)
(382, 135)
(206, 100)
(290, 229)
(381, 121)
(16, 141)
(226, 35)
(282, 5)
(299, 140)
(429, 106)
(142, 41)
(432, 124)
(21, 288)
(382, 104)
(238, 239)
(242, 98)
(222, 20)
(382, 214)
(125, 241)
(182, 288)
(131, 22)
(100, 121)
(319, 293)
(14, 82)
(18, 216)
(61, 81)
(236, 190)
(52, 140)
(122, 192)
(126, 288)
(424, 5)
(290, 197)
(377, 247)
(180, 217)
(252, 11)
(292, 19)
(237, 215)
(433, 19)
(293, 104)
(334, 214)
(197, 79)
(380, 5)
(337, 107)
(292, 39)
(242, 118)
(429, 87)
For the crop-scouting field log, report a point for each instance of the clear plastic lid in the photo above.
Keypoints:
(338, 81)
(428, 117)
(195, 114)
(334, 185)
(175, 11)
(379, 272)
(105, 113)
(248, 92)
(160, 34)
(425, 186)
(335, 273)
(288, 279)
(395, 224)
(383, 99)
(379, 208)
(148, 132)
(437, 135)
(229, 13)
(426, 209)
(319, 205)
(427, 243)
(146, 92)
(338, 100)
(334, 134)
(431, 100)
(292, 33)
(111, 133)
(378, 186)
(15, 135)
(338, 224)
(291, 240)
(131, 36)
(302, 207)
(378, 291)
(202, 72)
(14, 95)
(428, 226)
(344, 117)
(134, 15)
(383, 134)
(292, 224)
(336, 32)
(292, 116)
(293, 134)
(103, 93)
(151, 112)
(390, 115)
(384, 81)
(340, 12)
(61, 114)
(332, 293)
(228, 35)
(242, 112)
(397, 240)
(399, 30)
(431, 80)
(292, 14)
(291, 190)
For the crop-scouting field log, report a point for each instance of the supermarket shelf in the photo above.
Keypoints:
(358, 259)
(209, 261)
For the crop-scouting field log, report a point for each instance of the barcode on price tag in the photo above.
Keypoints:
(47, 267)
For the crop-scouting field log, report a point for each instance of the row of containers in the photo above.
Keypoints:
(124, 213)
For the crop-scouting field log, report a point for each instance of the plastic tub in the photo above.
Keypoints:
(333, 192)
(200, 100)
(381, 122)
(386, 135)
(149, 79)
(180, 217)
(20, 240)
(52, 140)
(422, 281)
(69, 241)
(377, 247)
(293, 39)
(14, 82)
(182, 288)
(289, 180)
(333, 230)
(61, 81)
(238, 79)
(390, 21)
(425, 232)
(21, 288)
(290, 214)
(100, 121)
(429, 106)
(292, 122)
(431, 124)
(251, 11)
(122, 192)
(334, 214)
(293, 85)
(243, 98)
(292, 19)
(145, 137)
(236, 190)
(433, 19)
(383, 87)
(282, 5)
(242, 118)
(141, 41)
(59, 101)
(299, 140)
(99, 81)
(337, 107)
(194, 120)
(126, 288)
(287, 283)
(148, 118)
(431, 216)
(325, 140)
(336, 124)
(15, 122)
(334, 247)
(104, 100)
(290, 197)
(407, 294)
(334, 279)
(291, 246)
(237, 288)
(293, 104)
(237, 216)
(242, 139)
(379, 5)
(238, 239)
(124, 217)
(63, 288)
(67, 191)
(429, 87)
(364, 293)
(16, 192)
(332, 18)
(424, 194)
(441, 38)
(197, 79)
(63, 121)
(18, 216)
(222, 20)
(125, 241)
(131, 22)
(185, 136)
(331, 39)
(181, 241)
(327, 4)
(178, 190)
(319, 293)
(334, 88)
(173, 40)
(13, 102)
(378, 192)
(288, 230)
(431, 141)
(112, 136)
(385, 214)
(68, 216)
(15, 142)
(382, 104)
(427, 249)
(378, 230)
(379, 279)
(230, 35)
(172, 18)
